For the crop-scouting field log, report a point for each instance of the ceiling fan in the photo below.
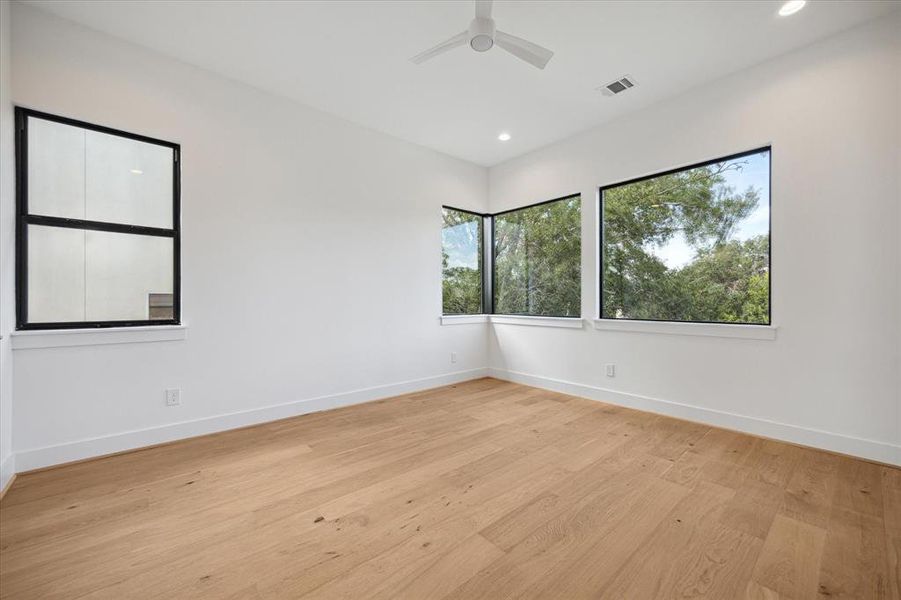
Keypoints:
(482, 35)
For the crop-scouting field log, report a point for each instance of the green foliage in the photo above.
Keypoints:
(728, 280)
(538, 254)
(538, 260)
(755, 308)
(462, 291)
(461, 285)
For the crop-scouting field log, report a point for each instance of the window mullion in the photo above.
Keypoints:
(488, 264)
(97, 225)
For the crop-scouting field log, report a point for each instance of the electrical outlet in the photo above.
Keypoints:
(453, 357)
(173, 397)
(611, 370)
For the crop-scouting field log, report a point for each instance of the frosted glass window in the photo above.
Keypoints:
(77, 275)
(56, 168)
(127, 181)
(99, 219)
(122, 271)
(55, 274)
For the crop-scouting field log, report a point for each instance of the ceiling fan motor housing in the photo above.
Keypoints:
(481, 34)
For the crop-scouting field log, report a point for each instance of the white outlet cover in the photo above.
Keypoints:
(611, 370)
(173, 397)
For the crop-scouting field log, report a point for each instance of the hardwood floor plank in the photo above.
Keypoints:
(604, 539)
(461, 511)
(789, 562)
(753, 507)
(811, 489)
(442, 576)
(862, 489)
(891, 486)
(677, 438)
(649, 572)
(854, 563)
(483, 489)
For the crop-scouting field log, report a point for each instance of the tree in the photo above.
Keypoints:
(538, 260)
(537, 254)
(462, 281)
(728, 280)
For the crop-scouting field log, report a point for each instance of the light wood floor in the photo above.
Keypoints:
(485, 489)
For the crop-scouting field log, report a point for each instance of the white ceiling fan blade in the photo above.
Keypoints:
(483, 9)
(458, 40)
(531, 53)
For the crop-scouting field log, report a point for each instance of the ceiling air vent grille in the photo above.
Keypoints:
(619, 86)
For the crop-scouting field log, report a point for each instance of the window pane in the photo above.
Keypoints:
(55, 169)
(128, 181)
(124, 275)
(55, 274)
(78, 275)
(538, 260)
(461, 255)
(84, 174)
(690, 246)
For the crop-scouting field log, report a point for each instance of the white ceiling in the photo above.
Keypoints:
(351, 58)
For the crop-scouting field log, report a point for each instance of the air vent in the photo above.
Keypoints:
(619, 86)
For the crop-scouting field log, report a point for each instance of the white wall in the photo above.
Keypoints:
(7, 248)
(311, 257)
(831, 113)
(310, 260)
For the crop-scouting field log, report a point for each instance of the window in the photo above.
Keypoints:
(97, 226)
(689, 245)
(461, 256)
(538, 260)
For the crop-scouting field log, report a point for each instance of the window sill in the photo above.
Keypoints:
(463, 319)
(726, 330)
(566, 322)
(60, 338)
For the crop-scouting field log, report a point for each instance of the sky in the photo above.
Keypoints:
(754, 173)
(457, 240)
(676, 253)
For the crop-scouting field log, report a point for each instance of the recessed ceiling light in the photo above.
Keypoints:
(504, 137)
(791, 7)
(137, 171)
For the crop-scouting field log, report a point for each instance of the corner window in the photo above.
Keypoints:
(538, 259)
(689, 245)
(97, 225)
(461, 259)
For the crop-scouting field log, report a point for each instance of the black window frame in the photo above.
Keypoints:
(24, 219)
(493, 257)
(600, 229)
(484, 263)
(488, 258)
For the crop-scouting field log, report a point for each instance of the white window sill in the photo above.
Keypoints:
(566, 322)
(752, 332)
(59, 338)
(463, 319)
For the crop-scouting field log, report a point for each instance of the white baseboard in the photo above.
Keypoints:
(870, 449)
(7, 472)
(37, 458)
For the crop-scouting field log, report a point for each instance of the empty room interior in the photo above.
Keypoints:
(412, 299)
